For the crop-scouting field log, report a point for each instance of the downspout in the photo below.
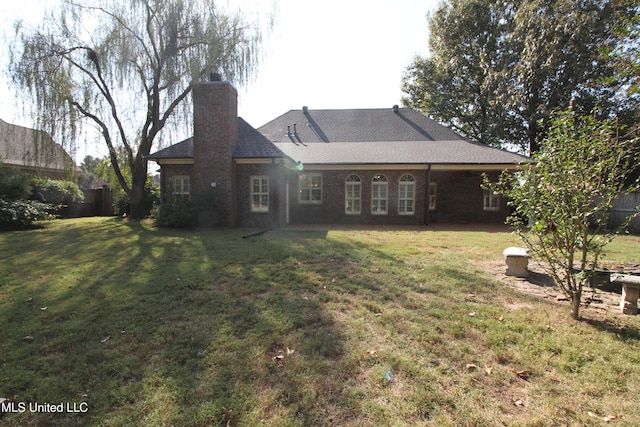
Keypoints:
(427, 215)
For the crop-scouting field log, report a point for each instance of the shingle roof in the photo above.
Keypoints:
(364, 136)
(458, 151)
(250, 144)
(180, 150)
(22, 146)
(360, 125)
(369, 136)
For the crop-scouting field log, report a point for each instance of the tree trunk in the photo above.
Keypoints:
(136, 196)
(575, 305)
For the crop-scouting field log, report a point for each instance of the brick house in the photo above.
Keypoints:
(367, 166)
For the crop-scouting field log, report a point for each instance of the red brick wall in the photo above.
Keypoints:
(168, 171)
(215, 132)
(332, 209)
(460, 198)
(277, 196)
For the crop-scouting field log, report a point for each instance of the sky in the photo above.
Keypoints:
(329, 54)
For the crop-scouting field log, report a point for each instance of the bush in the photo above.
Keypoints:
(14, 185)
(18, 214)
(58, 192)
(177, 212)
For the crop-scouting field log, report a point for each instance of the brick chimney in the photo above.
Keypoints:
(215, 133)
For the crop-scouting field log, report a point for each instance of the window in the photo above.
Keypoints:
(433, 192)
(491, 200)
(379, 192)
(406, 195)
(353, 195)
(181, 186)
(310, 186)
(259, 194)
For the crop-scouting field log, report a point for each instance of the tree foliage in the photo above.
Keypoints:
(562, 200)
(497, 70)
(125, 69)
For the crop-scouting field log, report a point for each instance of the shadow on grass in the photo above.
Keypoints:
(620, 331)
(165, 326)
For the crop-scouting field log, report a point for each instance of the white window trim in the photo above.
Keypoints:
(433, 196)
(178, 187)
(489, 200)
(261, 208)
(383, 183)
(409, 184)
(309, 189)
(350, 201)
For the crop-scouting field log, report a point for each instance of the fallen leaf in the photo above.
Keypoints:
(488, 370)
(471, 367)
(43, 308)
(105, 339)
(521, 374)
(28, 338)
(227, 415)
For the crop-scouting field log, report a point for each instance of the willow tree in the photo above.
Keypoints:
(126, 69)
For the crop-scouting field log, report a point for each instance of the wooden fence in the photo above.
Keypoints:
(97, 202)
(624, 206)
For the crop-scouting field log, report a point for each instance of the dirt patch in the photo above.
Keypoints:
(539, 284)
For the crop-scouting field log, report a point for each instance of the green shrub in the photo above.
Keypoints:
(18, 214)
(58, 192)
(14, 185)
(177, 212)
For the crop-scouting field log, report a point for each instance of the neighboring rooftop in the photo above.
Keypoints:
(31, 149)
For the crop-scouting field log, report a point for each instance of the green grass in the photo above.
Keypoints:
(163, 327)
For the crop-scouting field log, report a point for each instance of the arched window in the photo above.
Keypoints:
(353, 195)
(379, 195)
(407, 195)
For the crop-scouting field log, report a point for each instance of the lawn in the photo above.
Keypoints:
(132, 325)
